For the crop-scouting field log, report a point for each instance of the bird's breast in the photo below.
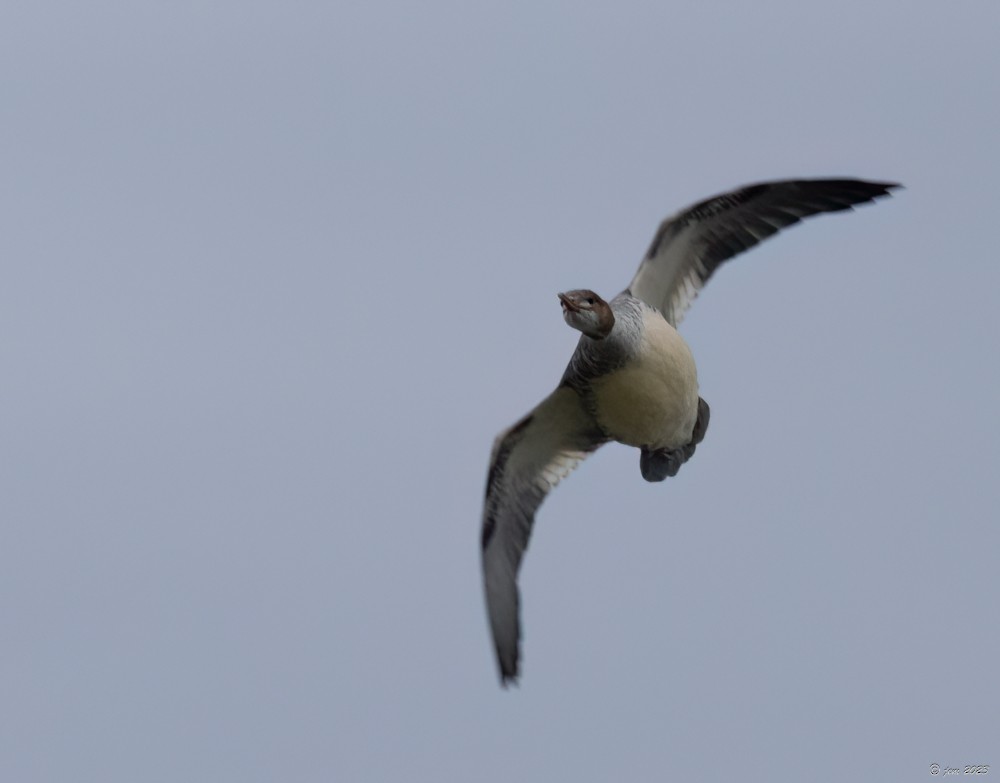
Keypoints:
(652, 401)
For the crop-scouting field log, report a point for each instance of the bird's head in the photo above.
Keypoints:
(586, 311)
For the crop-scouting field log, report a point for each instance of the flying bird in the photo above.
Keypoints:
(632, 377)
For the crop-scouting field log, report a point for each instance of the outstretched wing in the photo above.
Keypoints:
(690, 246)
(529, 459)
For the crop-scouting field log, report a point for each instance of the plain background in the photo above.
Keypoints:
(275, 274)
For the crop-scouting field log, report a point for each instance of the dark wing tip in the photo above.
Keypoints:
(868, 183)
(867, 187)
(888, 187)
(826, 195)
(510, 664)
(858, 191)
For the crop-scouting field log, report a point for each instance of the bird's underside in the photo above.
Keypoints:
(631, 378)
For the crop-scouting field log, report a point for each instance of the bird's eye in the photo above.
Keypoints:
(590, 300)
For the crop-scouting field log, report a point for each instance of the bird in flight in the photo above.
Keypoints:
(632, 378)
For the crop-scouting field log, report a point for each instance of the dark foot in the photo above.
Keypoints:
(701, 423)
(658, 464)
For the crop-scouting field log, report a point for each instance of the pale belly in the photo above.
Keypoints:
(653, 401)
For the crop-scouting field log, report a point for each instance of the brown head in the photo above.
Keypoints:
(586, 311)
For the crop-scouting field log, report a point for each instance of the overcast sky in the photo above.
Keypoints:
(275, 274)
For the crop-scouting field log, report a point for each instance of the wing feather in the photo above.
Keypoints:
(528, 460)
(689, 246)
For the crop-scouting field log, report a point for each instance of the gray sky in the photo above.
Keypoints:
(276, 274)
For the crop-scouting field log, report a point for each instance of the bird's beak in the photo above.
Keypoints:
(568, 304)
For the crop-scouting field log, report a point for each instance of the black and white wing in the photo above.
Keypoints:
(528, 460)
(690, 246)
